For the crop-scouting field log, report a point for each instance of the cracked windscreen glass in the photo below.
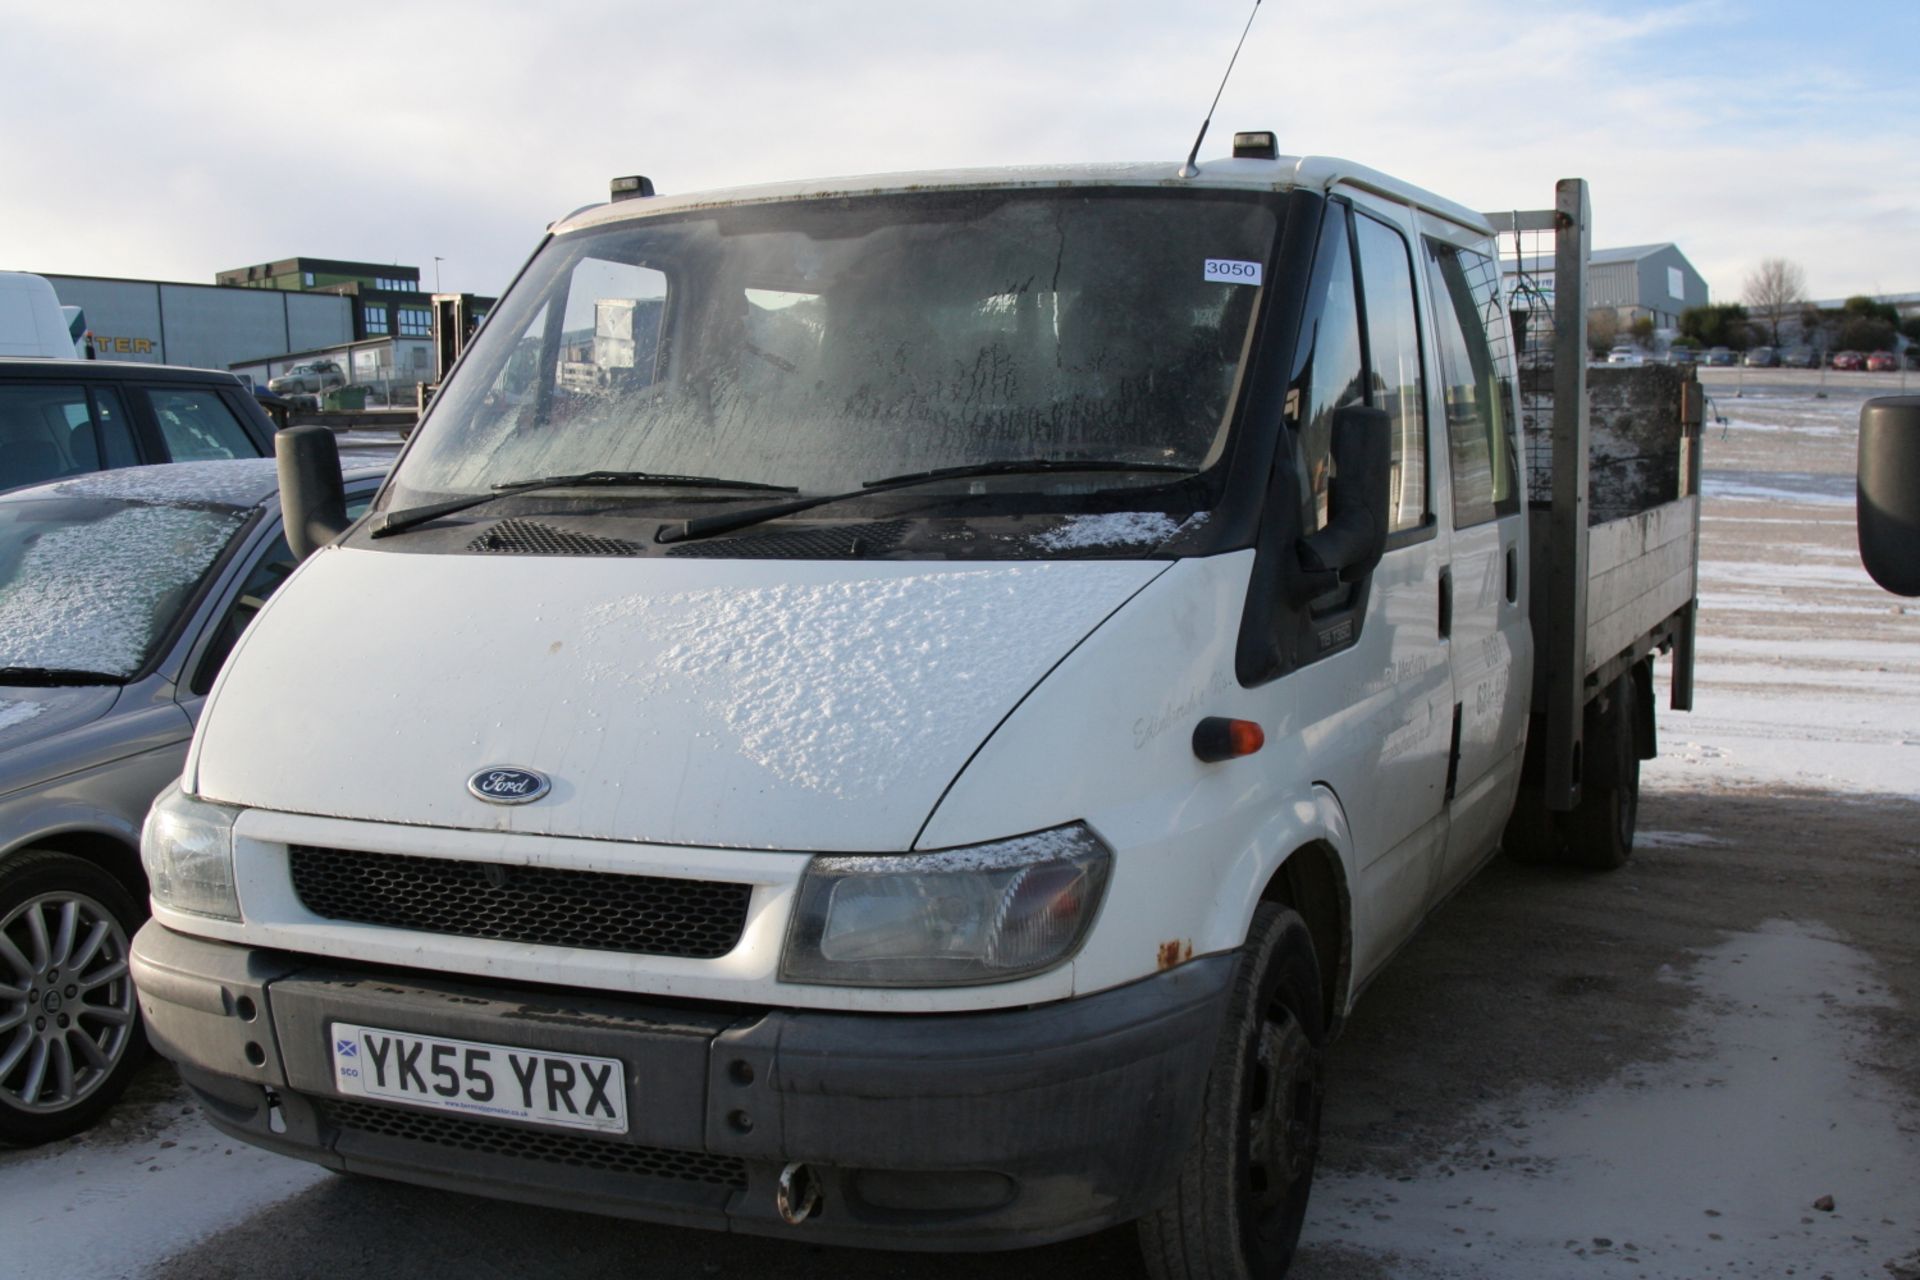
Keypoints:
(825, 342)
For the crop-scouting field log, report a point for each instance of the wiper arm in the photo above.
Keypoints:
(400, 521)
(51, 676)
(706, 526)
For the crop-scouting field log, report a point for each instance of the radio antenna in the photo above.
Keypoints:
(1190, 169)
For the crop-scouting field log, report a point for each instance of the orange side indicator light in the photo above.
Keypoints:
(1217, 738)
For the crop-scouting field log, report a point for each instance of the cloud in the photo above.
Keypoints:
(176, 140)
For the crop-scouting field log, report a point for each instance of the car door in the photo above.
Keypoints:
(1380, 707)
(1488, 631)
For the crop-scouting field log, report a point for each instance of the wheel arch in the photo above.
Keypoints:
(1312, 882)
(115, 852)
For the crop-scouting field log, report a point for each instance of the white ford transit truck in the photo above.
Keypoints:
(904, 711)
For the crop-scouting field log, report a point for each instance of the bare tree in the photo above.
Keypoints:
(1603, 329)
(1775, 288)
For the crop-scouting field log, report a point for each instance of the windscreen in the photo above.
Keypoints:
(93, 585)
(826, 342)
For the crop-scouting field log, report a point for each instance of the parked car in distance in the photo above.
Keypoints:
(1851, 361)
(1719, 357)
(1625, 355)
(310, 377)
(1798, 358)
(1882, 362)
(1762, 358)
(63, 418)
(121, 594)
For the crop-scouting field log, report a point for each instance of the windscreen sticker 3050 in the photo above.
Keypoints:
(1228, 271)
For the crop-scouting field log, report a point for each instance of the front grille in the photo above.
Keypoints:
(532, 538)
(637, 915)
(576, 1151)
(834, 542)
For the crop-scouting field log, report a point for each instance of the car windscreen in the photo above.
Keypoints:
(94, 585)
(826, 342)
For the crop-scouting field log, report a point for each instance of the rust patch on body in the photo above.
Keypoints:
(1175, 951)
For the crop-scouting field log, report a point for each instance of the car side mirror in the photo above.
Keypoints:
(313, 496)
(1888, 505)
(1355, 536)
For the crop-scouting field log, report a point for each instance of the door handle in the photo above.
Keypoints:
(1446, 601)
(1513, 574)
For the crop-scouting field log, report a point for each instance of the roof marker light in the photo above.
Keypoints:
(1260, 144)
(632, 187)
(1217, 738)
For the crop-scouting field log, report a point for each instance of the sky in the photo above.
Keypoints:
(173, 140)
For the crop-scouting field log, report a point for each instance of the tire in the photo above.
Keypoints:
(1598, 833)
(1236, 1209)
(70, 1034)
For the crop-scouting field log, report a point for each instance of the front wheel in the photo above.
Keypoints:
(69, 1027)
(1236, 1211)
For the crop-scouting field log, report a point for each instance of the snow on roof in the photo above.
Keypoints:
(243, 482)
(237, 482)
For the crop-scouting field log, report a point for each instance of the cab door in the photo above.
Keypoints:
(1400, 697)
(1485, 620)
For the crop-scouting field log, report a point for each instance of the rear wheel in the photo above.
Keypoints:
(69, 1027)
(1236, 1211)
(1598, 833)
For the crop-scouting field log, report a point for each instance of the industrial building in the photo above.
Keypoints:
(387, 301)
(261, 320)
(1652, 281)
(202, 325)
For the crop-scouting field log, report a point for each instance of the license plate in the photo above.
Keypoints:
(496, 1080)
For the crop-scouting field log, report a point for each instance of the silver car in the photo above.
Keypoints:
(121, 593)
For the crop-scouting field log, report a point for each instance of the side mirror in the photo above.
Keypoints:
(313, 497)
(1888, 506)
(1355, 536)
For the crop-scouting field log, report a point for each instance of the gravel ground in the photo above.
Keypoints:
(1656, 1073)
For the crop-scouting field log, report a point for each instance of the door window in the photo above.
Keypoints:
(198, 425)
(1327, 373)
(1397, 384)
(47, 432)
(1477, 378)
(114, 429)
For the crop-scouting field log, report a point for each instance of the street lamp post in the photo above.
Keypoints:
(437, 260)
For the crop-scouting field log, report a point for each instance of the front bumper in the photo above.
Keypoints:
(929, 1131)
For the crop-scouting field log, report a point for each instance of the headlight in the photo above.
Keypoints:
(985, 913)
(187, 848)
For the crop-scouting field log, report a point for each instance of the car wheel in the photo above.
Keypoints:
(1236, 1210)
(69, 1026)
(1598, 832)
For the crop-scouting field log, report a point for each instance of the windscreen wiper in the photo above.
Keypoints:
(48, 677)
(706, 526)
(400, 521)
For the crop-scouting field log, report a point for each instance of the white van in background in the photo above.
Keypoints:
(31, 320)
